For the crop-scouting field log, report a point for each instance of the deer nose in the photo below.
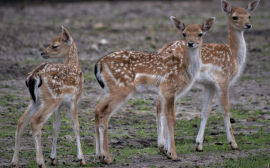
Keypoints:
(190, 44)
(248, 25)
(42, 54)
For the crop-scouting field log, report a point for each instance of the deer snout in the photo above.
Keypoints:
(190, 44)
(43, 54)
(248, 26)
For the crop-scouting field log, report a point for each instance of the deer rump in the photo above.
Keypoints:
(61, 77)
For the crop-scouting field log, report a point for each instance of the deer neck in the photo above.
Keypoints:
(72, 56)
(194, 60)
(237, 45)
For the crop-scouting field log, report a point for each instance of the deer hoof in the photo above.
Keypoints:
(197, 150)
(161, 149)
(42, 165)
(53, 161)
(234, 146)
(168, 154)
(104, 159)
(176, 159)
(199, 147)
(14, 165)
(82, 162)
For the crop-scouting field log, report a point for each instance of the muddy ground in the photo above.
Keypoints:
(102, 27)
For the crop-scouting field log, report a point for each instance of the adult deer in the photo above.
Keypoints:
(51, 86)
(222, 64)
(169, 75)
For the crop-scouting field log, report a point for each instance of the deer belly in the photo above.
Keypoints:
(143, 88)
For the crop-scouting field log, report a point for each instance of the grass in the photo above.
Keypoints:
(136, 102)
(259, 160)
(124, 156)
(89, 76)
(143, 105)
(138, 127)
(4, 102)
(9, 97)
(244, 113)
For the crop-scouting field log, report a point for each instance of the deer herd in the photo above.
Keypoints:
(170, 73)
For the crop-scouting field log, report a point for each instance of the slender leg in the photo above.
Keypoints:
(160, 125)
(76, 129)
(102, 105)
(209, 92)
(170, 150)
(56, 128)
(225, 108)
(102, 114)
(101, 120)
(22, 123)
(36, 124)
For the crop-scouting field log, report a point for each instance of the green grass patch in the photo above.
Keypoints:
(136, 102)
(244, 113)
(256, 160)
(4, 102)
(143, 105)
(136, 128)
(124, 156)
(9, 97)
(89, 76)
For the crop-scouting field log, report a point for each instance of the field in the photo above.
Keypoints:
(102, 27)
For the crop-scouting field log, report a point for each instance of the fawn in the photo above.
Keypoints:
(169, 75)
(51, 86)
(222, 64)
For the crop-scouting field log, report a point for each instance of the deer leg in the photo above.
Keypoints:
(102, 114)
(76, 129)
(56, 128)
(101, 106)
(170, 150)
(225, 108)
(22, 123)
(209, 92)
(36, 124)
(160, 125)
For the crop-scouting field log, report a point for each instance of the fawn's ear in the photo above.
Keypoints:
(178, 23)
(207, 24)
(252, 6)
(66, 36)
(226, 7)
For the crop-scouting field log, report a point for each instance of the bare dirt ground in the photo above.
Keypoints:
(102, 27)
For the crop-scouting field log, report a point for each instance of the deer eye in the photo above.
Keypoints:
(54, 47)
(249, 17)
(200, 34)
(235, 18)
(184, 34)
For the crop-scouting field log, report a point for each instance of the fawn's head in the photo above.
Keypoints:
(239, 17)
(193, 32)
(59, 47)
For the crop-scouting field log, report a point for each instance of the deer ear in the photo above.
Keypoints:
(178, 23)
(226, 7)
(207, 24)
(252, 6)
(66, 36)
